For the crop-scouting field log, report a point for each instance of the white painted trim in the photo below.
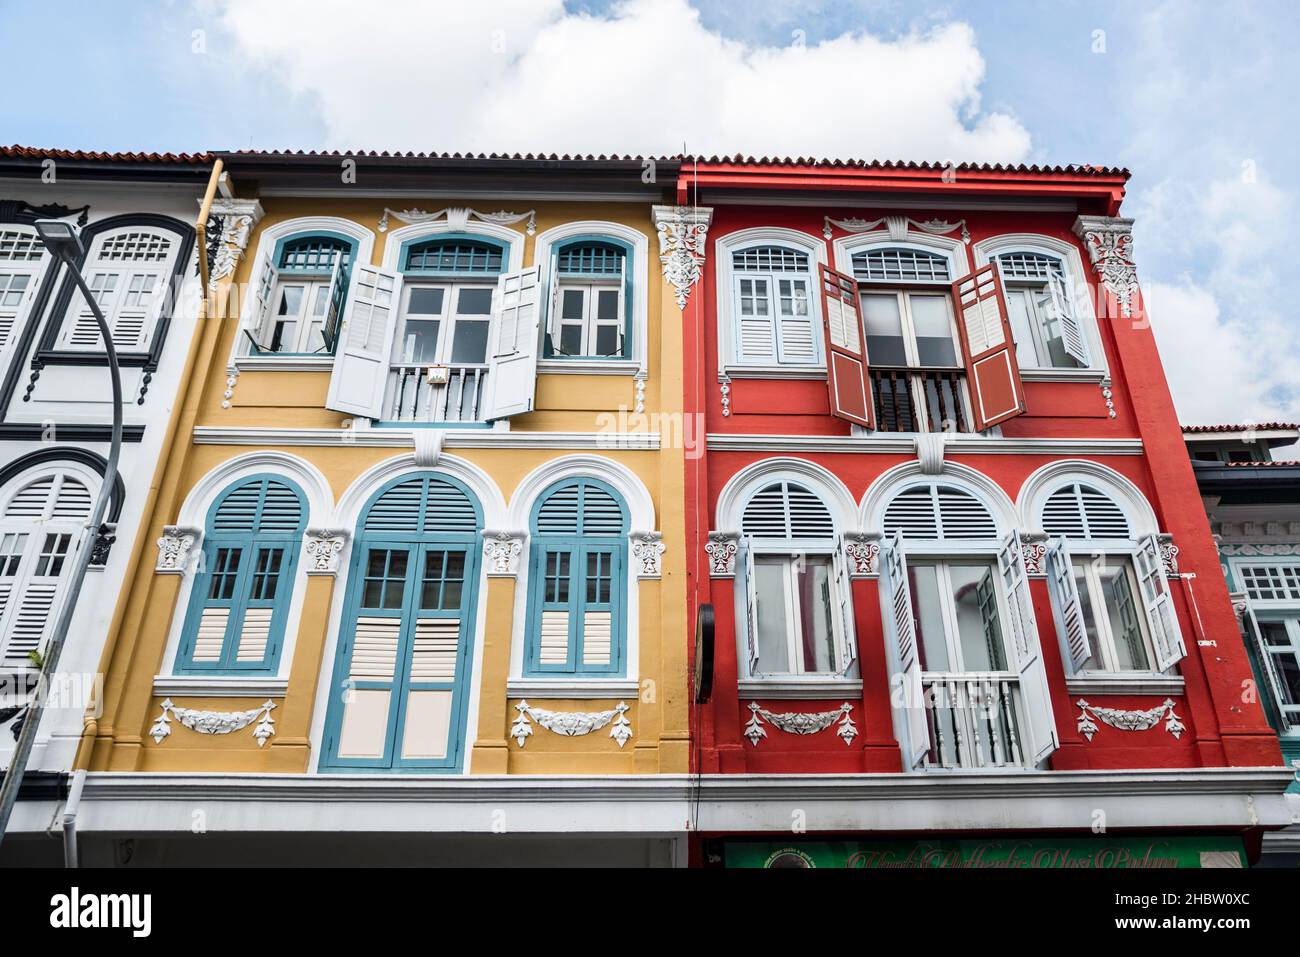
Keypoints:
(905, 443)
(267, 237)
(723, 247)
(641, 516)
(800, 689)
(588, 367)
(194, 513)
(640, 244)
(218, 686)
(273, 363)
(1089, 376)
(513, 238)
(405, 438)
(575, 688)
(908, 474)
(1042, 482)
(156, 803)
(987, 250)
(1089, 683)
(740, 488)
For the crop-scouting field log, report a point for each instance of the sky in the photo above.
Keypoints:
(1196, 97)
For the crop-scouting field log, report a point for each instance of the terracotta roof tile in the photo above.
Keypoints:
(34, 152)
(1247, 427)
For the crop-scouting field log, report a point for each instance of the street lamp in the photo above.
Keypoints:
(63, 243)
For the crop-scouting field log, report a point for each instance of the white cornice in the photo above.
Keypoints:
(906, 444)
(1101, 683)
(207, 686)
(405, 438)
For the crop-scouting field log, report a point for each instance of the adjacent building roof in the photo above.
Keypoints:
(38, 153)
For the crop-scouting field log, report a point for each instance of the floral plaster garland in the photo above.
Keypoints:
(215, 722)
(800, 722)
(1128, 720)
(571, 723)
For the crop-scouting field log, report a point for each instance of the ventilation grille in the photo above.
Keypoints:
(1030, 266)
(591, 259)
(581, 508)
(20, 246)
(786, 510)
(421, 506)
(453, 256)
(261, 505)
(939, 512)
(134, 247)
(314, 254)
(900, 265)
(769, 259)
(52, 497)
(1080, 511)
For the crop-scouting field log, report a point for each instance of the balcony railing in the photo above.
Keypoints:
(919, 400)
(974, 720)
(415, 394)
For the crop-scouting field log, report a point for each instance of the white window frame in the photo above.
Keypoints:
(251, 268)
(1289, 618)
(590, 288)
(1094, 555)
(14, 319)
(1081, 299)
(792, 551)
(447, 319)
(730, 362)
(982, 554)
(314, 284)
(637, 274)
(114, 298)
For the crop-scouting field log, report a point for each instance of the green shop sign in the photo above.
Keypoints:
(1103, 853)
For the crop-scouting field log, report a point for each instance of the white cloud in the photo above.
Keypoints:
(524, 75)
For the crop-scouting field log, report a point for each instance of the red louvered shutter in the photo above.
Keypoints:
(988, 348)
(846, 349)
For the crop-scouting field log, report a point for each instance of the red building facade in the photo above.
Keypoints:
(962, 584)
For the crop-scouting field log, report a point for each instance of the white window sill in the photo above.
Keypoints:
(1119, 682)
(283, 363)
(588, 366)
(775, 372)
(1063, 375)
(801, 688)
(220, 686)
(570, 687)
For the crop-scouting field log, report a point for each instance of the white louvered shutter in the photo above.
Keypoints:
(988, 348)
(1166, 635)
(797, 337)
(755, 325)
(939, 512)
(907, 697)
(1060, 307)
(848, 642)
(361, 360)
(1082, 512)
(259, 321)
(1039, 736)
(1268, 665)
(334, 304)
(512, 367)
(1066, 606)
(747, 593)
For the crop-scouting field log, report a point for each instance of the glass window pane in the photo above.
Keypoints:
(419, 341)
(606, 340)
(1125, 625)
(1288, 671)
(290, 301)
(571, 303)
(1020, 310)
(772, 615)
(425, 300)
(934, 345)
(979, 628)
(884, 324)
(607, 305)
(469, 344)
(927, 612)
(474, 302)
(817, 634)
(1094, 661)
(571, 340)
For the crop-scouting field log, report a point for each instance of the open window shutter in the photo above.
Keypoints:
(1154, 585)
(1066, 607)
(260, 318)
(334, 310)
(33, 598)
(988, 348)
(551, 322)
(1039, 734)
(749, 592)
(756, 332)
(1059, 305)
(846, 349)
(848, 647)
(1269, 667)
(365, 342)
(512, 367)
(911, 726)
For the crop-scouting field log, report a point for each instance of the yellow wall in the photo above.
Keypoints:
(119, 739)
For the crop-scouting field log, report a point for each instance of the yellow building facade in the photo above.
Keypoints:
(415, 522)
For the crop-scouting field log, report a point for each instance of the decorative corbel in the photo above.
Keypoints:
(1168, 554)
(722, 548)
(862, 550)
(174, 549)
(647, 550)
(235, 220)
(501, 551)
(929, 452)
(1109, 241)
(324, 548)
(102, 544)
(682, 233)
(1033, 548)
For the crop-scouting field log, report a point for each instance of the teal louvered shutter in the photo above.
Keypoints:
(241, 594)
(577, 599)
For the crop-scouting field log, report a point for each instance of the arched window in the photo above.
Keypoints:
(1110, 593)
(591, 314)
(796, 602)
(578, 575)
(961, 631)
(772, 306)
(399, 695)
(300, 294)
(240, 599)
(129, 271)
(41, 519)
(22, 259)
(1044, 320)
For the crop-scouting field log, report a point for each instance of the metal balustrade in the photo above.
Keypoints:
(919, 400)
(414, 395)
(974, 720)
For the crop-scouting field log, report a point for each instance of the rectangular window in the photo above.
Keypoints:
(590, 322)
(576, 621)
(796, 615)
(1112, 616)
(1271, 582)
(1281, 642)
(915, 364)
(773, 319)
(957, 610)
(1038, 327)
